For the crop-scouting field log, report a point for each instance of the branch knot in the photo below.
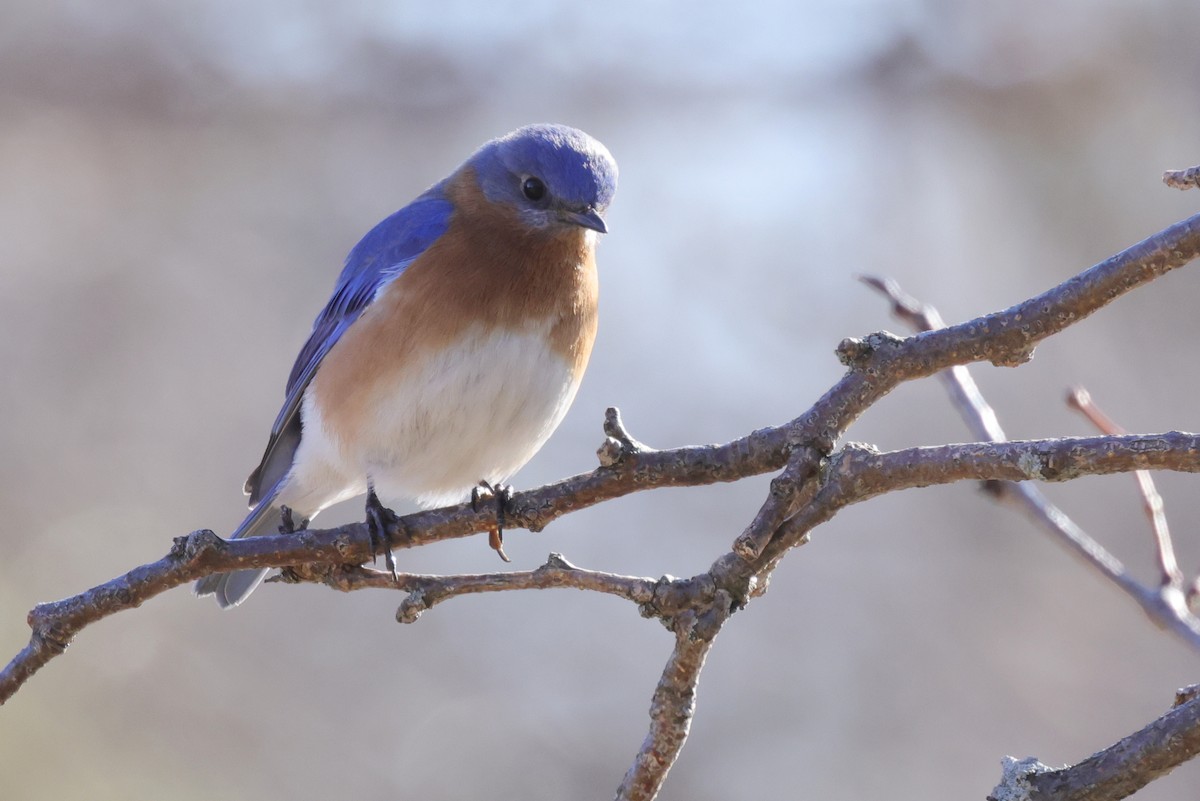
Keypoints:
(618, 446)
(859, 354)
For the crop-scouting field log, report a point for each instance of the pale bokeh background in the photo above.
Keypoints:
(180, 182)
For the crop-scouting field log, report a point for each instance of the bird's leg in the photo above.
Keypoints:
(287, 521)
(288, 525)
(502, 494)
(380, 519)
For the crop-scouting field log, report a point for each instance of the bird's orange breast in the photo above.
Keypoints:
(484, 274)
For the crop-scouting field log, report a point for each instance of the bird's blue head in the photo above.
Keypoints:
(552, 175)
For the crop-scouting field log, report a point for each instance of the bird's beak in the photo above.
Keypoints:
(588, 218)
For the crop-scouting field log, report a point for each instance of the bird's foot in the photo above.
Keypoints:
(501, 494)
(380, 522)
(287, 521)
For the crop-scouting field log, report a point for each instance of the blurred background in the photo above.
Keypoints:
(179, 184)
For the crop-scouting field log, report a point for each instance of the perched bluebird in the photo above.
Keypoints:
(454, 342)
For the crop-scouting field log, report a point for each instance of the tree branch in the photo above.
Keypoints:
(1168, 566)
(1170, 604)
(1138, 759)
(1182, 179)
(1114, 773)
(815, 485)
(674, 702)
(202, 553)
(427, 591)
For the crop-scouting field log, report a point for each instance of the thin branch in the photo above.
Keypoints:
(1166, 608)
(978, 415)
(1081, 400)
(1182, 179)
(982, 421)
(1138, 759)
(556, 572)
(858, 473)
(428, 590)
(789, 490)
(696, 608)
(674, 702)
(1114, 773)
(619, 444)
(1168, 605)
(202, 553)
(878, 363)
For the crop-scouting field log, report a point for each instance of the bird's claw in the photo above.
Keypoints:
(501, 494)
(380, 522)
(287, 521)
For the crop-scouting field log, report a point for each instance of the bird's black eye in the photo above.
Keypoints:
(533, 188)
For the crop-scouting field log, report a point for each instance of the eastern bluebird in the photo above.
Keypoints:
(454, 342)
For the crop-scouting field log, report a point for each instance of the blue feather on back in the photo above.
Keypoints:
(379, 257)
(376, 260)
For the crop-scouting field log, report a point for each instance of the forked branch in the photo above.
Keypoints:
(818, 480)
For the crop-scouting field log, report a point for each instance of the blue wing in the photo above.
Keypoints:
(374, 262)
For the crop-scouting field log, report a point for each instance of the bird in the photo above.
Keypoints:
(452, 346)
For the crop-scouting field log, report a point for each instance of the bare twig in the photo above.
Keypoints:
(426, 590)
(1114, 773)
(556, 572)
(857, 473)
(1167, 605)
(1182, 179)
(978, 415)
(203, 553)
(786, 495)
(1081, 400)
(618, 442)
(1138, 759)
(881, 361)
(1185, 694)
(816, 484)
(674, 701)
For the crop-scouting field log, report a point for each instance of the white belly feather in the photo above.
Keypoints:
(478, 410)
